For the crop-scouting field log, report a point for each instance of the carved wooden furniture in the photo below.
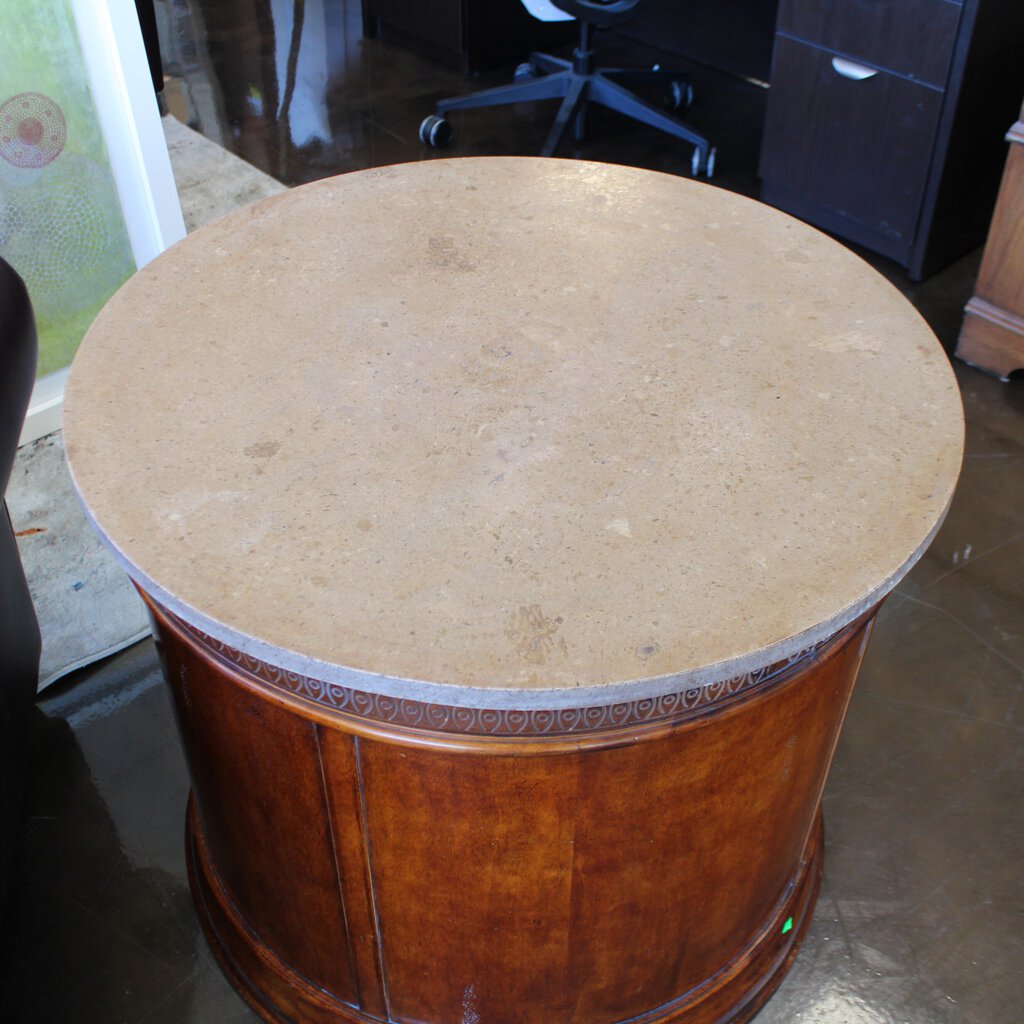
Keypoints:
(511, 578)
(992, 336)
(885, 120)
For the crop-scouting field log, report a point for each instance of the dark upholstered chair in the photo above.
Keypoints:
(19, 630)
(579, 82)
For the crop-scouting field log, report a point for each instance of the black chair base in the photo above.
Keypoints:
(578, 83)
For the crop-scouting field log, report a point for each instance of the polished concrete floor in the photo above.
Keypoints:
(921, 917)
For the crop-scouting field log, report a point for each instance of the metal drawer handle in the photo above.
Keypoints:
(848, 69)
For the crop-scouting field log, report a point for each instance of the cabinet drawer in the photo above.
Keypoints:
(860, 149)
(911, 37)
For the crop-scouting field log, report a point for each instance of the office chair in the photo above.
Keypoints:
(19, 629)
(579, 82)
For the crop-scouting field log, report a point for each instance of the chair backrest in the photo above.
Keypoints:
(602, 13)
(545, 10)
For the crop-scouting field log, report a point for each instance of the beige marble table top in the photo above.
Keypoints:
(513, 432)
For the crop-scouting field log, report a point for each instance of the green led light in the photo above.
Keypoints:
(788, 926)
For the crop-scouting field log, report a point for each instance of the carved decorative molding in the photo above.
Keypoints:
(412, 714)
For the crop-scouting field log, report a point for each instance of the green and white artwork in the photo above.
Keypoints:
(61, 224)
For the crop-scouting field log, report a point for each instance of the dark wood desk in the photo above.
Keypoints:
(732, 35)
(466, 34)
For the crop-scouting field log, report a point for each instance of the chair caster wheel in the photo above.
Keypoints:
(524, 72)
(705, 165)
(435, 131)
(678, 95)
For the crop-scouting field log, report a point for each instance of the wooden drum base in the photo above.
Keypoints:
(278, 994)
(360, 859)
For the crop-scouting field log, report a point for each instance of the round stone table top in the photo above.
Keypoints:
(511, 432)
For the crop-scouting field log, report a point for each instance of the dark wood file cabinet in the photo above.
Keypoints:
(886, 119)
